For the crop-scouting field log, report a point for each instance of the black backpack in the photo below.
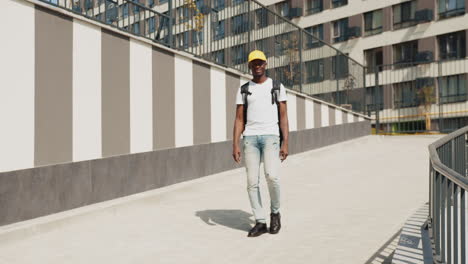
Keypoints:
(275, 90)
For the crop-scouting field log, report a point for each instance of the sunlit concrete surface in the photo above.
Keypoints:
(340, 205)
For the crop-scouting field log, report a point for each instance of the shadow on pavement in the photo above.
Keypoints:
(235, 219)
(384, 254)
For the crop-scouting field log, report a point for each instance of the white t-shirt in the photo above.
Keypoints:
(262, 115)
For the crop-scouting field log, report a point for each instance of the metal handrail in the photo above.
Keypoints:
(448, 172)
(447, 193)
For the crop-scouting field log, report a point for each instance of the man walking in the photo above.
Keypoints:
(261, 116)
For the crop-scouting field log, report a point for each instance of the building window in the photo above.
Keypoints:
(261, 18)
(374, 59)
(313, 6)
(340, 67)
(283, 42)
(405, 53)
(283, 9)
(54, 2)
(405, 95)
(404, 15)
(219, 30)
(151, 24)
(288, 75)
(200, 4)
(182, 14)
(337, 3)
(374, 98)
(317, 32)
(452, 89)
(151, 3)
(136, 28)
(315, 71)
(452, 46)
(111, 11)
(197, 37)
(125, 10)
(136, 8)
(239, 24)
(239, 54)
(89, 4)
(182, 40)
(449, 8)
(163, 1)
(263, 46)
(237, 2)
(219, 56)
(373, 22)
(339, 30)
(219, 4)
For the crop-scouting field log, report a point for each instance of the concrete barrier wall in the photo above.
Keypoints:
(90, 113)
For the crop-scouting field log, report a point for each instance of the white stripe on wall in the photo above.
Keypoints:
(292, 112)
(183, 101)
(350, 118)
(87, 126)
(17, 87)
(325, 115)
(338, 116)
(218, 105)
(309, 115)
(360, 118)
(141, 97)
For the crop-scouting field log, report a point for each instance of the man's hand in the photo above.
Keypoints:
(284, 152)
(236, 154)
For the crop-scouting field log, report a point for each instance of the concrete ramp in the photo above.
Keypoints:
(340, 205)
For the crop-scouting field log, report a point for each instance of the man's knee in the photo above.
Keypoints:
(272, 177)
(252, 186)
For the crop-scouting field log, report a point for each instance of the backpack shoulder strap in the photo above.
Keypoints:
(275, 90)
(245, 92)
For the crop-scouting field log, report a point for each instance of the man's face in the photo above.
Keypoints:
(257, 67)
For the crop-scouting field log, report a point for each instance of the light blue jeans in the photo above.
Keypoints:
(264, 148)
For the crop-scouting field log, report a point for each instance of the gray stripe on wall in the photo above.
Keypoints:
(53, 137)
(115, 94)
(345, 117)
(232, 85)
(300, 111)
(356, 118)
(317, 114)
(331, 116)
(163, 99)
(201, 103)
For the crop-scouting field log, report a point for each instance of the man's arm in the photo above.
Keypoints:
(238, 128)
(284, 126)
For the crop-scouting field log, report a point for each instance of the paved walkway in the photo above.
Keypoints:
(340, 205)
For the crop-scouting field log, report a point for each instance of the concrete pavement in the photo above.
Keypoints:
(340, 205)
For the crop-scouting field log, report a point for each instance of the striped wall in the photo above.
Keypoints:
(89, 114)
(81, 92)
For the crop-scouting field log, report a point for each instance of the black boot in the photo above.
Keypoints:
(275, 223)
(258, 229)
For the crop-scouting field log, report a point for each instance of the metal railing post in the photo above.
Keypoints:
(300, 60)
(376, 94)
(337, 79)
(170, 24)
(249, 29)
(364, 90)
